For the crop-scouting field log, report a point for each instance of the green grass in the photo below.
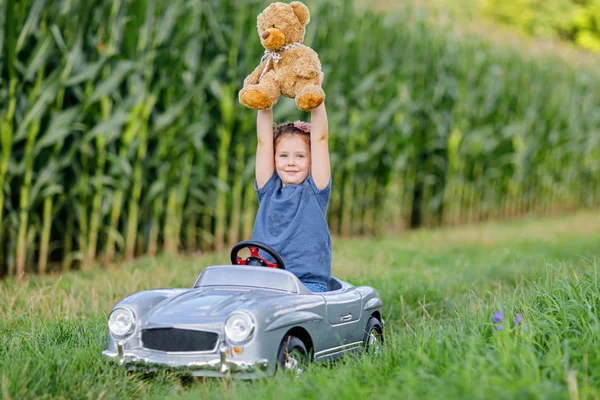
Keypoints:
(440, 289)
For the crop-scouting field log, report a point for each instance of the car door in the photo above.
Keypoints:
(344, 310)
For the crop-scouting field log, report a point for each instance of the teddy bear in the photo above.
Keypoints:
(288, 67)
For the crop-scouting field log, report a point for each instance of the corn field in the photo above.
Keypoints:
(122, 135)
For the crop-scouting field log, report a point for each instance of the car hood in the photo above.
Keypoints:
(204, 305)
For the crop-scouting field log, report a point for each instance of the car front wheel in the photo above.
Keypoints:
(292, 356)
(373, 340)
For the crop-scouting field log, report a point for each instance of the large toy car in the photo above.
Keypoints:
(244, 320)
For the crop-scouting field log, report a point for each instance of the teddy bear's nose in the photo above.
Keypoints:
(266, 34)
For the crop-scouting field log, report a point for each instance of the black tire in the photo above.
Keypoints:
(373, 332)
(292, 356)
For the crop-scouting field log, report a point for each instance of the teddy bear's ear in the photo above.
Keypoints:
(301, 12)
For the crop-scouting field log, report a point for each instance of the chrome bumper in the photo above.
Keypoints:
(217, 366)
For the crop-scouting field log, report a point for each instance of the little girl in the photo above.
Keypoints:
(293, 182)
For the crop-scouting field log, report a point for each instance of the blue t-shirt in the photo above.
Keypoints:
(291, 219)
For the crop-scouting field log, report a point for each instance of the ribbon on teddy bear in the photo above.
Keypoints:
(275, 55)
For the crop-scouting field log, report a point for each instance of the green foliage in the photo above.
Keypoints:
(120, 126)
(440, 290)
(577, 21)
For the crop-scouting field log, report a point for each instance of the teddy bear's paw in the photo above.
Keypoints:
(255, 100)
(309, 102)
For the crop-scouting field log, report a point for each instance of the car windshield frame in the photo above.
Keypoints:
(254, 277)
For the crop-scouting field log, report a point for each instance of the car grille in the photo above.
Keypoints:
(171, 339)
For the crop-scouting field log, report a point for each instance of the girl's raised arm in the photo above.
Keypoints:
(264, 150)
(319, 147)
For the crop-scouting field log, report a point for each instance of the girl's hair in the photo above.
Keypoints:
(300, 128)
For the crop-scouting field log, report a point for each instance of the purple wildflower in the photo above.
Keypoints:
(498, 327)
(518, 318)
(498, 317)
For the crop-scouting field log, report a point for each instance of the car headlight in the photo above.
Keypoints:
(238, 327)
(121, 322)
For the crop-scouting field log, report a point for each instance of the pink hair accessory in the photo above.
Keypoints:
(303, 126)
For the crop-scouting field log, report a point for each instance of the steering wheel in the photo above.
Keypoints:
(255, 258)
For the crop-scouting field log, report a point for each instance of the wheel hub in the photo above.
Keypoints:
(293, 365)
(374, 343)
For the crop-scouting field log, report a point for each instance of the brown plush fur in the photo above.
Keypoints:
(297, 74)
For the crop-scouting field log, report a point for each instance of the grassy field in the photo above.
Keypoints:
(440, 288)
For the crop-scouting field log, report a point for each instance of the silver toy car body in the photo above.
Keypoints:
(243, 321)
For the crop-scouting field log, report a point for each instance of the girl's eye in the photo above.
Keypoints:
(301, 156)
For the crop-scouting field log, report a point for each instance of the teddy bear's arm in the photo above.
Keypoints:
(252, 79)
(307, 67)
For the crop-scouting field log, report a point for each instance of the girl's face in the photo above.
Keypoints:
(292, 159)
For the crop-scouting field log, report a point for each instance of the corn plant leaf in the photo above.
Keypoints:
(75, 256)
(38, 109)
(166, 119)
(198, 194)
(197, 131)
(31, 23)
(16, 167)
(248, 171)
(386, 115)
(119, 166)
(89, 72)
(208, 76)
(42, 51)
(192, 210)
(102, 180)
(52, 190)
(58, 38)
(157, 188)
(8, 41)
(112, 82)
(3, 5)
(359, 158)
(166, 23)
(60, 126)
(366, 85)
(46, 177)
(210, 73)
(110, 128)
(116, 235)
(286, 109)
(220, 185)
(32, 232)
(216, 28)
(378, 145)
